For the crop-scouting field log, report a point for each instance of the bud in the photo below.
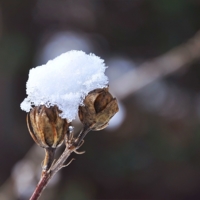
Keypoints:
(99, 107)
(46, 127)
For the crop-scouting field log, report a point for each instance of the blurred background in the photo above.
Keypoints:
(151, 148)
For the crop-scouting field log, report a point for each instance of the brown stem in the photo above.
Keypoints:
(41, 185)
(48, 174)
(81, 136)
(50, 171)
(49, 158)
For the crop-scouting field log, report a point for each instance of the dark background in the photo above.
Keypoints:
(154, 153)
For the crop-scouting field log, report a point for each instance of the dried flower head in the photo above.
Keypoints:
(99, 107)
(46, 127)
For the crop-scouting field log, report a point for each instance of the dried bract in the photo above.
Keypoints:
(99, 107)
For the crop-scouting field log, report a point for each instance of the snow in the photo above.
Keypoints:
(65, 81)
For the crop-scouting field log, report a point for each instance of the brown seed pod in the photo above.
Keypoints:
(99, 107)
(48, 130)
(46, 127)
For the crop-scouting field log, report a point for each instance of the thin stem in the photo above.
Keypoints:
(81, 136)
(58, 165)
(46, 176)
(49, 158)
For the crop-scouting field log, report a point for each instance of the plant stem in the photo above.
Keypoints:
(81, 135)
(41, 186)
(49, 158)
(47, 174)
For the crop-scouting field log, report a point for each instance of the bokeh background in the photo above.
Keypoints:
(151, 149)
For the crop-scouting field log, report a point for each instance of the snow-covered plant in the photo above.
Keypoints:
(72, 84)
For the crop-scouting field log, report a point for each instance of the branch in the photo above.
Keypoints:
(157, 68)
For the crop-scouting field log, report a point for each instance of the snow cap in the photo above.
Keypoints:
(65, 81)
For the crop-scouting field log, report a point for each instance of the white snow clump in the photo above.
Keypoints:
(65, 81)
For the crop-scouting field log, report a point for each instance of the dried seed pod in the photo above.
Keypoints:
(99, 107)
(47, 129)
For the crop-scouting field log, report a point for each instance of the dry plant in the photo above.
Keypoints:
(49, 131)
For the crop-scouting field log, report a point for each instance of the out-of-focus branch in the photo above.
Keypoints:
(157, 68)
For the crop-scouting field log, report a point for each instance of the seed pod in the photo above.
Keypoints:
(99, 107)
(47, 129)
